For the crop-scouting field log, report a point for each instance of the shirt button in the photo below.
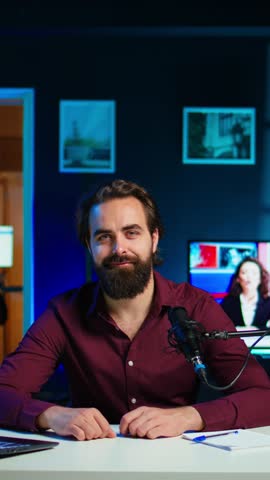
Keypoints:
(133, 400)
(130, 363)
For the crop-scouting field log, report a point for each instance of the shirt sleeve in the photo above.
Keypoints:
(244, 403)
(25, 371)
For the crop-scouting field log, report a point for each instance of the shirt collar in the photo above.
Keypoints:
(97, 301)
(164, 296)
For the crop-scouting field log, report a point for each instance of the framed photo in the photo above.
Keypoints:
(221, 136)
(87, 136)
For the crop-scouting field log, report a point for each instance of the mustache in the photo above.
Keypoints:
(108, 261)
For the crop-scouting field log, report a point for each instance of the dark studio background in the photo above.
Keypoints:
(152, 67)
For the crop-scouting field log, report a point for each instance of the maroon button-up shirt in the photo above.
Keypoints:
(113, 374)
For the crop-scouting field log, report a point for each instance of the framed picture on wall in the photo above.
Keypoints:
(87, 136)
(221, 136)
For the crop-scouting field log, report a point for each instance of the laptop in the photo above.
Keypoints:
(15, 445)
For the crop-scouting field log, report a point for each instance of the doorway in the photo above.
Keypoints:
(16, 202)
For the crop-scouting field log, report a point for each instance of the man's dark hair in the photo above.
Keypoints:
(119, 189)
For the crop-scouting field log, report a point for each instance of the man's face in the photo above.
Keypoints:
(122, 246)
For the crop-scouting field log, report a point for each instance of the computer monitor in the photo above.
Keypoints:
(211, 265)
(6, 246)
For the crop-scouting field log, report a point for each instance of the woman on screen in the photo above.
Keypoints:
(248, 300)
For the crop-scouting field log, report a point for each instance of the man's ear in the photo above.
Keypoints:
(87, 243)
(155, 239)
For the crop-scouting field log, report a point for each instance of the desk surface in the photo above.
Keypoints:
(133, 458)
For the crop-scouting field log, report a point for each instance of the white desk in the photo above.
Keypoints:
(132, 459)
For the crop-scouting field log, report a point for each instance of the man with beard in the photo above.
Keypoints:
(112, 338)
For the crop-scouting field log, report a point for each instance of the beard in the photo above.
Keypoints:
(124, 282)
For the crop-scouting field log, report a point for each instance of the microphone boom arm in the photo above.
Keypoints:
(224, 335)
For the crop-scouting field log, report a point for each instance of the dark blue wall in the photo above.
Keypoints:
(151, 79)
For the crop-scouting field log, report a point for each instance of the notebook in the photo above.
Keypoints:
(15, 445)
(230, 440)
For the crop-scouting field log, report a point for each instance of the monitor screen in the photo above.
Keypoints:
(6, 246)
(211, 265)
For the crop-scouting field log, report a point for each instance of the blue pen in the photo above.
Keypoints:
(202, 438)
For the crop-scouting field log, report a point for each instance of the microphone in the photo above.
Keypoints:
(185, 335)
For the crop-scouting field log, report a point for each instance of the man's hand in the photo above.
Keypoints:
(154, 422)
(82, 423)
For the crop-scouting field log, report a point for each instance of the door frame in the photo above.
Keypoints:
(25, 97)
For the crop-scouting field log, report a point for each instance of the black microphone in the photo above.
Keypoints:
(185, 335)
